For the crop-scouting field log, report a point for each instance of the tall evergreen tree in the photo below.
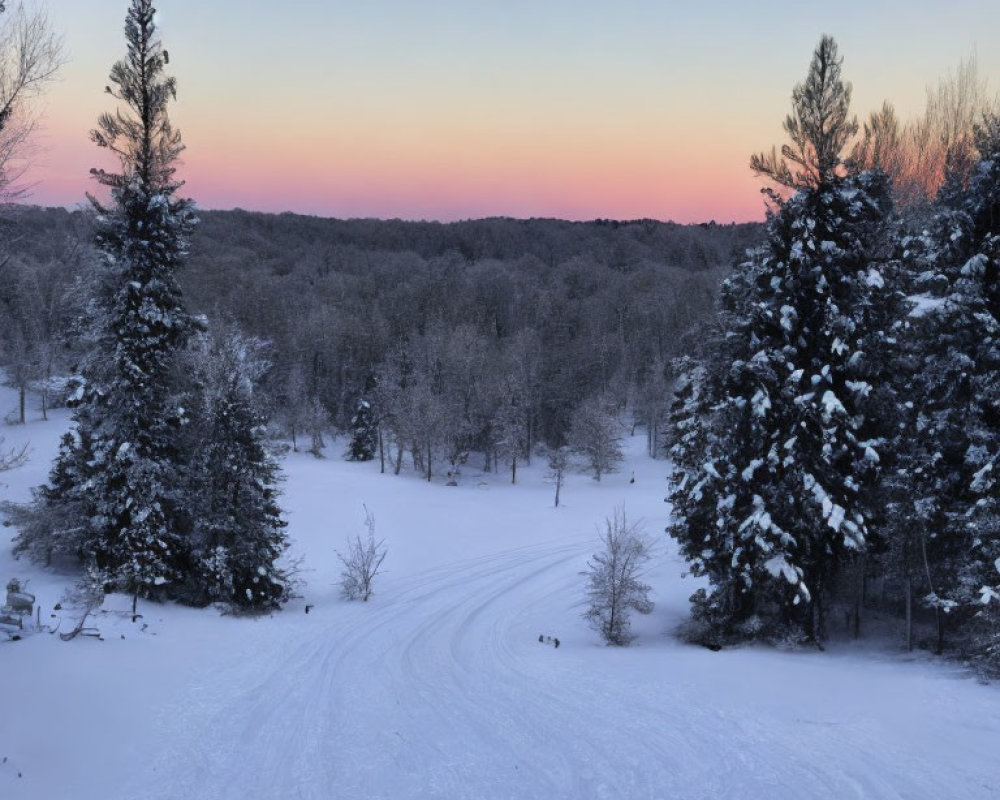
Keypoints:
(120, 472)
(238, 534)
(774, 444)
(954, 456)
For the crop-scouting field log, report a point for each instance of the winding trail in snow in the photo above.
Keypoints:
(443, 691)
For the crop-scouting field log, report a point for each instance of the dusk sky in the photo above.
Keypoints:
(453, 109)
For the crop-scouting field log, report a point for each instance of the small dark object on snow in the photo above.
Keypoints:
(632, 479)
(307, 608)
(541, 638)
(556, 643)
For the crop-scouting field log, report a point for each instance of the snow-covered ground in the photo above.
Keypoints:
(439, 688)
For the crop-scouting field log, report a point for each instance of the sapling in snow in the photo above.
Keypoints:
(362, 562)
(558, 464)
(615, 589)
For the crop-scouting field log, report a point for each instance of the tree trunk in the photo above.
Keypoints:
(859, 599)
(909, 614)
(381, 451)
(399, 457)
(513, 470)
(530, 442)
(938, 616)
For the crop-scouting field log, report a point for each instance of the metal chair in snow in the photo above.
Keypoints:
(20, 604)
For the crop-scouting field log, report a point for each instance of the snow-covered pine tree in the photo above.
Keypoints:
(238, 534)
(775, 453)
(121, 474)
(954, 459)
(364, 433)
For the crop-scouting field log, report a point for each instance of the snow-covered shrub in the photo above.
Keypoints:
(362, 562)
(614, 586)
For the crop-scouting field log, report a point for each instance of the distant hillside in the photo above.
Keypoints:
(281, 238)
(604, 305)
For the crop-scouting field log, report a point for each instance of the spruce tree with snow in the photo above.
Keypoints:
(775, 445)
(238, 534)
(364, 433)
(120, 475)
(954, 459)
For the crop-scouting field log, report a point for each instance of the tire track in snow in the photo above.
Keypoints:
(441, 692)
(297, 721)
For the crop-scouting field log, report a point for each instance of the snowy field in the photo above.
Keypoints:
(439, 688)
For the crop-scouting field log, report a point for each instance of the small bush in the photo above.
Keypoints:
(362, 563)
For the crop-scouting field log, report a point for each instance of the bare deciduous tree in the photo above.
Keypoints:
(316, 422)
(615, 588)
(881, 144)
(362, 563)
(30, 55)
(596, 435)
(558, 464)
(941, 143)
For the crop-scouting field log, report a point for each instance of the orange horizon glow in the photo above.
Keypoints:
(452, 112)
